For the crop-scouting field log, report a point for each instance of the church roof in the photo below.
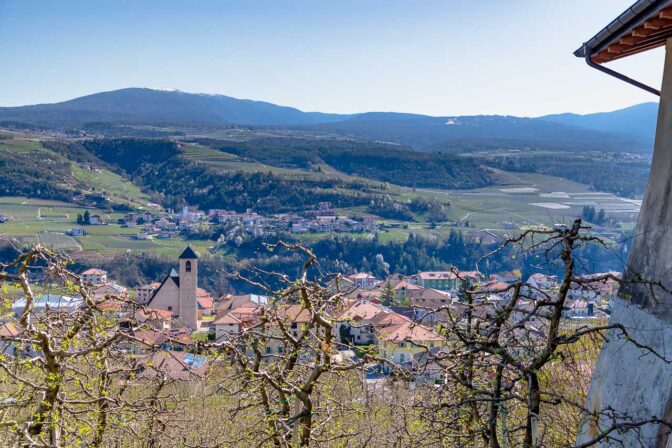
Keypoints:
(189, 253)
(174, 276)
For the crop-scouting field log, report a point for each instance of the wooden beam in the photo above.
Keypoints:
(630, 40)
(642, 32)
(665, 13)
(615, 48)
(656, 24)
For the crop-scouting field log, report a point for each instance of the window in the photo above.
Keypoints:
(402, 345)
(401, 357)
(170, 308)
(295, 325)
(269, 349)
(279, 349)
(431, 344)
(187, 266)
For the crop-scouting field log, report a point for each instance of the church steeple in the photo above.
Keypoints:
(189, 253)
(188, 307)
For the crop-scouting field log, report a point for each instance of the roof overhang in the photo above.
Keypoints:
(645, 25)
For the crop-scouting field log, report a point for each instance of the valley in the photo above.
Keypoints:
(101, 176)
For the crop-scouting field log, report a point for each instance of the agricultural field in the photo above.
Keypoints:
(42, 221)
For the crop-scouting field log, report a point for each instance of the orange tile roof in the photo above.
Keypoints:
(386, 319)
(153, 314)
(408, 331)
(361, 311)
(293, 313)
(360, 275)
(8, 330)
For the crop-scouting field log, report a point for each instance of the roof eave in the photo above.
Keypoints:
(622, 25)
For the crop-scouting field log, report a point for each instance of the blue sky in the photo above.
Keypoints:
(434, 57)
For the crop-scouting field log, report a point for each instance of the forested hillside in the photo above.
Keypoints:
(372, 160)
(161, 167)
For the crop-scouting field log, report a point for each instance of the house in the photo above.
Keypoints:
(579, 308)
(144, 292)
(294, 318)
(426, 366)
(75, 232)
(94, 277)
(542, 282)
(229, 323)
(375, 295)
(175, 365)
(8, 332)
(448, 280)
(354, 325)
(363, 280)
(431, 299)
(230, 302)
(205, 302)
(341, 284)
(491, 287)
(95, 220)
(405, 290)
(177, 339)
(400, 343)
(154, 318)
(179, 291)
(506, 277)
(109, 289)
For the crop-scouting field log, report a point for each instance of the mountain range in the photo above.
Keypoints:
(629, 129)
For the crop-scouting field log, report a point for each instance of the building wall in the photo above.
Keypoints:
(627, 379)
(225, 331)
(167, 298)
(188, 310)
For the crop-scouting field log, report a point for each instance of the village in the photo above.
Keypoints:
(397, 318)
(169, 224)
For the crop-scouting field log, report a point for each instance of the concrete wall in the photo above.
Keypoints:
(650, 253)
(628, 380)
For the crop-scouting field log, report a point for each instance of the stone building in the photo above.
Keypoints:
(178, 291)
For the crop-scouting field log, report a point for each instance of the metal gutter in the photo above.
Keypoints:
(620, 26)
(588, 57)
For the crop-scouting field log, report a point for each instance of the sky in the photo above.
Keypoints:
(446, 57)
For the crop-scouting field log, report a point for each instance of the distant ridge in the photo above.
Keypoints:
(638, 121)
(150, 106)
(629, 129)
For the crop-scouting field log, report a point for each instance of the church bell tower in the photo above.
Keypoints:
(188, 307)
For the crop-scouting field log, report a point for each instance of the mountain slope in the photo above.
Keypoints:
(638, 121)
(422, 131)
(624, 130)
(148, 106)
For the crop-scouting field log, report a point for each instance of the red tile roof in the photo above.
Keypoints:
(409, 331)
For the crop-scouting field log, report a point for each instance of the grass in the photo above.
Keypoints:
(119, 189)
(39, 221)
(33, 220)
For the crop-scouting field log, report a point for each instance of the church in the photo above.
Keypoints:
(178, 292)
